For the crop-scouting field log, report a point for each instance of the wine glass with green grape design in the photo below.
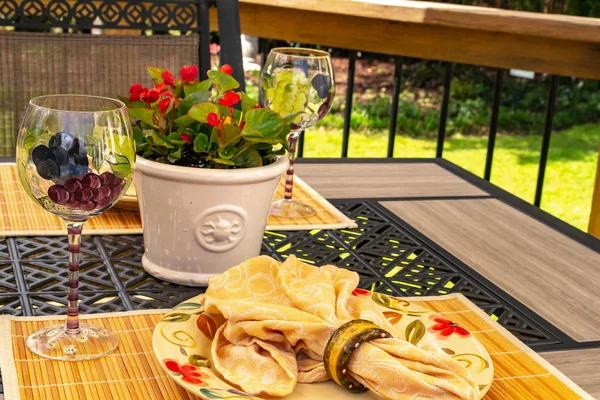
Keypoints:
(75, 157)
(298, 84)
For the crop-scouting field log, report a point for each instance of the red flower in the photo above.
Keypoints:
(162, 90)
(212, 119)
(214, 48)
(151, 96)
(445, 327)
(164, 105)
(361, 292)
(188, 372)
(135, 92)
(257, 106)
(226, 68)
(185, 137)
(230, 111)
(168, 78)
(242, 125)
(189, 73)
(229, 99)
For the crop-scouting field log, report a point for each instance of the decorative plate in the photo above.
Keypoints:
(129, 200)
(182, 339)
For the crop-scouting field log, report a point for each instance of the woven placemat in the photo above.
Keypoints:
(132, 372)
(21, 216)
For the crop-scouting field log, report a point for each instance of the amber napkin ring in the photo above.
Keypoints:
(342, 344)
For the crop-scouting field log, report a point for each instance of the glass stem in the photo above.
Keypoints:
(289, 177)
(74, 233)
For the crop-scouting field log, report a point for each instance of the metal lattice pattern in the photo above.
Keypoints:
(386, 256)
(163, 15)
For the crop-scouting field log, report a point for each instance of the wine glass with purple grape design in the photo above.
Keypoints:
(75, 157)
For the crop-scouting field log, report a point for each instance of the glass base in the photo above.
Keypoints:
(87, 343)
(291, 209)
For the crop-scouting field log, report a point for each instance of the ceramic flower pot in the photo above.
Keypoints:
(200, 222)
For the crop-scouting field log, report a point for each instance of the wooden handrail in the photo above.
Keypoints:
(554, 44)
(552, 26)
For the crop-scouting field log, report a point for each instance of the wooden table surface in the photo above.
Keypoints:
(551, 273)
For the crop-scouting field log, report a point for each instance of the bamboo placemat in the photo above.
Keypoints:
(21, 216)
(132, 372)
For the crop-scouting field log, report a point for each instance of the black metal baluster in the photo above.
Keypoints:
(546, 140)
(444, 110)
(231, 40)
(494, 124)
(204, 40)
(300, 151)
(394, 110)
(348, 110)
(263, 45)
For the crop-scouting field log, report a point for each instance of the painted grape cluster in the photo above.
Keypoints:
(88, 193)
(64, 155)
(65, 161)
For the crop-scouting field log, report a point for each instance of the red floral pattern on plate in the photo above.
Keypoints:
(189, 373)
(444, 328)
(361, 292)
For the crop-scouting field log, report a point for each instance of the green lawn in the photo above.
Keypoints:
(569, 176)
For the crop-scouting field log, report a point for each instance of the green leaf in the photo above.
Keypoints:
(209, 394)
(138, 135)
(175, 155)
(190, 100)
(200, 143)
(248, 158)
(160, 140)
(381, 299)
(121, 167)
(199, 361)
(229, 135)
(290, 117)
(175, 138)
(261, 139)
(203, 86)
(214, 136)
(262, 122)
(119, 145)
(248, 103)
(266, 81)
(131, 104)
(183, 122)
(156, 73)
(188, 306)
(223, 161)
(414, 331)
(32, 137)
(200, 111)
(176, 317)
(226, 154)
(145, 115)
(222, 81)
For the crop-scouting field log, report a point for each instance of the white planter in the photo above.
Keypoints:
(200, 222)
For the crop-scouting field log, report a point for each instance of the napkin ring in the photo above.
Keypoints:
(342, 344)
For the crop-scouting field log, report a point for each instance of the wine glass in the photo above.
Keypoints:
(298, 84)
(75, 157)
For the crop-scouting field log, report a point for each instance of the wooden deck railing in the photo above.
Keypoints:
(555, 44)
(552, 44)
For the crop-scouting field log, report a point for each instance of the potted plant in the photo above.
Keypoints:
(209, 162)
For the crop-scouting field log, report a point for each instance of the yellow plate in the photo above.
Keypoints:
(129, 200)
(183, 351)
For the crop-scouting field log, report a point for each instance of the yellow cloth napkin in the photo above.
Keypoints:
(277, 319)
